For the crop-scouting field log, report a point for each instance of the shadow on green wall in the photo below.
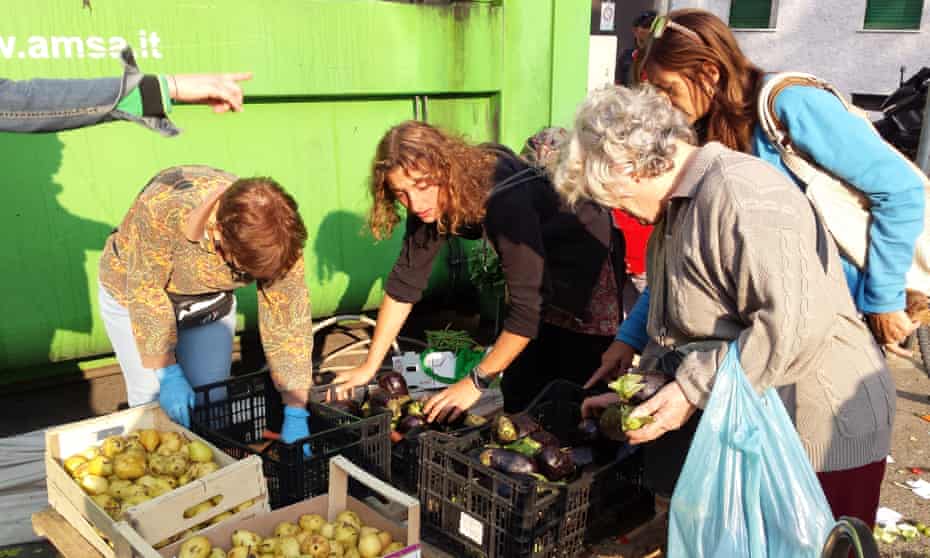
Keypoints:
(341, 244)
(45, 261)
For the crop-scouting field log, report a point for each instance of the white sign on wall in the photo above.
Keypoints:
(608, 13)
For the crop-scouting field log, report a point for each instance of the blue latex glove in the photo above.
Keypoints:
(175, 394)
(296, 426)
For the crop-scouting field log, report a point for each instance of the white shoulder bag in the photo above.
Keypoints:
(845, 210)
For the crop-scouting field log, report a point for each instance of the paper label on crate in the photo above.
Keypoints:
(471, 528)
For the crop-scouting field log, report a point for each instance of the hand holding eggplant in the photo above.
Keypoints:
(451, 402)
(669, 409)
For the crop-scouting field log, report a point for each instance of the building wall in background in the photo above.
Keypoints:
(826, 38)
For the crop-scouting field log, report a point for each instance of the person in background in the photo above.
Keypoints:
(52, 105)
(693, 58)
(542, 150)
(562, 268)
(627, 59)
(738, 255)
(192, 236)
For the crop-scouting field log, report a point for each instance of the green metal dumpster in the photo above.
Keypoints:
(331, 76)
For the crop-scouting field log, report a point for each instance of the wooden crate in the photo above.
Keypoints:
(159, 518)
(327, 505)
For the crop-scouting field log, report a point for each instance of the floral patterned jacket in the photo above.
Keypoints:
(149, 257)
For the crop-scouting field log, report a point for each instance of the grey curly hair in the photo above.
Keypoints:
(619, 131)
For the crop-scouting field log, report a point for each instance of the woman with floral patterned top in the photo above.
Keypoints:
(192, 236)
(559, 266)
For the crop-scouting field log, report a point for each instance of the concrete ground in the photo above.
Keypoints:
(22, 411)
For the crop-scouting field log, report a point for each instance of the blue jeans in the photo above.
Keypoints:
(204, 352)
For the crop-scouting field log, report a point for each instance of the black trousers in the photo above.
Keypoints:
(556, 353)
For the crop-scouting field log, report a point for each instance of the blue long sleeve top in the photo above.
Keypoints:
(848, 147)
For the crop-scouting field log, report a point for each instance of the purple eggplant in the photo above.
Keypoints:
(507, 461)
(378, 397)
(410, 422)
(394, 384)
(555, 463)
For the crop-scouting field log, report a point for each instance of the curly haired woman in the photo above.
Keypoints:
(560, 267)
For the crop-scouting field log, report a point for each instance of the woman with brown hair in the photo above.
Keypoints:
(561, 267)
(192, 236)
(694, 59)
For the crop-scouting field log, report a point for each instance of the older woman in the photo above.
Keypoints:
(737, 255)
(167, 274)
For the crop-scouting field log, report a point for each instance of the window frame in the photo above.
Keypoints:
(886, 29)
(772, 21)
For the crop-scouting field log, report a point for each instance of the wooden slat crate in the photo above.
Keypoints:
(159, 518)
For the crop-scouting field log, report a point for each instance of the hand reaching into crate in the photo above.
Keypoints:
(295, 426)
(175, 394)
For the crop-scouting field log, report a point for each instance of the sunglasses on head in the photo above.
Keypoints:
(660, 25)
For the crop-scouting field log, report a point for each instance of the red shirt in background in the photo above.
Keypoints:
(636, 236)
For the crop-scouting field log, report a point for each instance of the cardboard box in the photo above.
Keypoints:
(328, 505)
(157, 519)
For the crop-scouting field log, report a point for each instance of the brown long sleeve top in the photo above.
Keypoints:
(149, 257)
(741, 256)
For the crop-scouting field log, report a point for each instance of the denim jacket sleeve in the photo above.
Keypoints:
(51, 105)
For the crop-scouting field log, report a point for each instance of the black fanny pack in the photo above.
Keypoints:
(201, 309)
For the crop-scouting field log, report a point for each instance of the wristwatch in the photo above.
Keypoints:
(481, 379)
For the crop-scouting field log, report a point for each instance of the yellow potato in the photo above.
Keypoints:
(216, 552)
(171, 442)
(385, 538)
(239, 552)
(245, 538)
(351, 518)
(194, 511)
(72, 463)
(316, 547)
(101, 466)
(286, 529)
(195, 547)
(288, 547)
(199, 452)
(93, 484)
(112, 445)
(149, 439)
(129, 466)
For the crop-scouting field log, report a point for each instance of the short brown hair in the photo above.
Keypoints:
(732, 113)
(464, 173)
(261, 227)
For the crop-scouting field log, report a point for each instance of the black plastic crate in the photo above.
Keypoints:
(484, 513)
(405, 458)
(236, 415)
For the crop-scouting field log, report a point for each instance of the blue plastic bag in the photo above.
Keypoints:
(747, 488)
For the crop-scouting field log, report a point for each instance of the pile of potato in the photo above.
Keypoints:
(311, 537)
(125, 471)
